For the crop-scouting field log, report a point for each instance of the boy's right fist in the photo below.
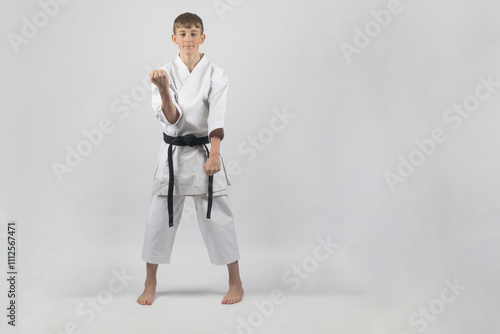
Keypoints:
(160, 79)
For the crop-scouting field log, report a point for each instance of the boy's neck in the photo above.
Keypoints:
(191, 60)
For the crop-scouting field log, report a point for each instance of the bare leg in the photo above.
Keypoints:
(149, 286)
(235, 292)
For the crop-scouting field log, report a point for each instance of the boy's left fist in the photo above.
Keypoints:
(212, 165)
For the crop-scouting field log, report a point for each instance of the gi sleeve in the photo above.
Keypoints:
(217, 101)
(156, 103)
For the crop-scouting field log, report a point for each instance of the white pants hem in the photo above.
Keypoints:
(155, 259)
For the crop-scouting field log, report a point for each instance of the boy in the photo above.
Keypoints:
(189, 98)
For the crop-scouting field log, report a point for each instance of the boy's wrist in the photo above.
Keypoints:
(164, 92)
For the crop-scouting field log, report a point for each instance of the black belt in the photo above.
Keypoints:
(187, 140)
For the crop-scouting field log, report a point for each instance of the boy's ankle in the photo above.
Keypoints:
(150, 280)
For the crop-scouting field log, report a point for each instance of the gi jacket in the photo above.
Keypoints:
(200, 97)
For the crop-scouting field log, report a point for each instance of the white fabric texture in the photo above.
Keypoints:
(218, 232)
(200, 97)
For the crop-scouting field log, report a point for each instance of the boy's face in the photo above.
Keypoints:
(188, 39)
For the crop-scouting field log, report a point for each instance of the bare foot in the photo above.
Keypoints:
(148, 295)
(234, 294)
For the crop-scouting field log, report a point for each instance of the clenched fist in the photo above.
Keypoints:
(160, 79)
(212, 165)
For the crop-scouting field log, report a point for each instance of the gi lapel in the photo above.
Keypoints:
(192, 79)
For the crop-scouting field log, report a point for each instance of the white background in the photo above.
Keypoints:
(322, 175)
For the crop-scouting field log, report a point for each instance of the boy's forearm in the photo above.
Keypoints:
(168, 107)
(215, 144)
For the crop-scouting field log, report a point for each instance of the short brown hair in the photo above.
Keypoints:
(187, 20)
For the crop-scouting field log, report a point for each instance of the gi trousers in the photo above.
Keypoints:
(218, 232)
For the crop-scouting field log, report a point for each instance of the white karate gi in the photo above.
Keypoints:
(200, 97)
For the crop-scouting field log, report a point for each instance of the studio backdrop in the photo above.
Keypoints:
(361, 142)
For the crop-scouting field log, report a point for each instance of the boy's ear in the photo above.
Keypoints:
(174, 39)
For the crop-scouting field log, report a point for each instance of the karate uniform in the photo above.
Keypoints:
(200, 98)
